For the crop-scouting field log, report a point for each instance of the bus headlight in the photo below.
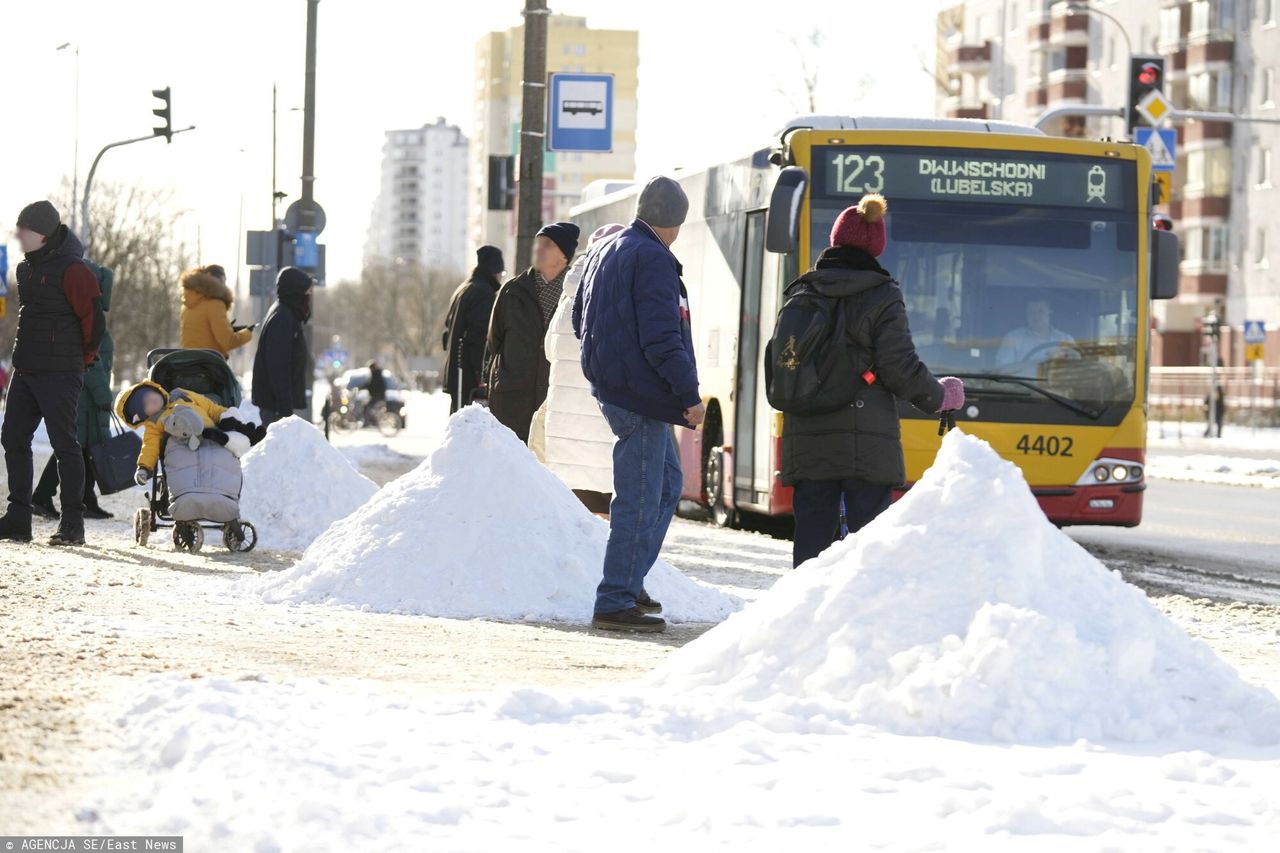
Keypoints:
(1104, 471)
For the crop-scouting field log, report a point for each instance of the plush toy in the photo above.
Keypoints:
(185, 424)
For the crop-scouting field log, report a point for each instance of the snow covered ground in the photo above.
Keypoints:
(1235, 438)
(1213, 468)
(950, 678)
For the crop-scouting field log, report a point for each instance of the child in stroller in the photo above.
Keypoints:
(192, 447)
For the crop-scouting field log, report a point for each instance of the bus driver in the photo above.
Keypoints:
(1036, 342)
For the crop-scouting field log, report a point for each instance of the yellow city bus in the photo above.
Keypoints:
(1027, 263)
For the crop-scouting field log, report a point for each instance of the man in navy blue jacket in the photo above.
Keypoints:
(632, 315)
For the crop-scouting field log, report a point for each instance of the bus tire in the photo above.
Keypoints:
(722, 515)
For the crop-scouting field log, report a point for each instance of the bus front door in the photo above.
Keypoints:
(753, 437)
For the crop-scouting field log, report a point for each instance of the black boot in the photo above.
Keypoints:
(647, 604)
(96, 512)
(67, 537)
(631, 619)
(43, 507)
(15, 529)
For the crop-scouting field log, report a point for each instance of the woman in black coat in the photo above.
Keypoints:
(519, 372)
(856, 453)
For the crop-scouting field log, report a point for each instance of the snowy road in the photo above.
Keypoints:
(1202, 538)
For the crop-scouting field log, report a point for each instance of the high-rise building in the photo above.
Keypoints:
(1015, 59)
(499, 72)
(420, 214)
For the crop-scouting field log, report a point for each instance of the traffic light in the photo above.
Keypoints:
(502, 183)
(1146, 75)
(164, 113)
(1161, 222)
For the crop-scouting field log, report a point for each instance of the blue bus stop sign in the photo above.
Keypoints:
(305, 252)
(581, 108)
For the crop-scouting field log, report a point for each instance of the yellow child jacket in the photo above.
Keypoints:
(153, 431)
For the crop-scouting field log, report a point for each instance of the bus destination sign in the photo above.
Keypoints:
(955, 174)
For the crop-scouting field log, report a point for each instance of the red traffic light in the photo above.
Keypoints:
(1149, 74)
(1161, 222)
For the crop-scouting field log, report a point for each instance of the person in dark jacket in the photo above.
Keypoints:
(93, 416)
(856, 453)
(631, 314)
(60, 326)
(466, 326)
(280, 364)
(519, 372)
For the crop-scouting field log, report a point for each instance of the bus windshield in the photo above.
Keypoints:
(1019, 270)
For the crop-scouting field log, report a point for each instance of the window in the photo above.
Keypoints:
(1267, 87)
(1266, 12)
(1206, 248)
(1210, 90)
(982, 28)
(1264, 167)
(1260, 247)
(1209, 172)
(1171, 25)
(1212, 16)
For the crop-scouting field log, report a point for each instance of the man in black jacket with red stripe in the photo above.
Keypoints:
(60, 325)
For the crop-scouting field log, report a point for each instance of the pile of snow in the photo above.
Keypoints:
(1211, 468)
(309, 765)
(296, 485)
(963, 612)
(479, 529)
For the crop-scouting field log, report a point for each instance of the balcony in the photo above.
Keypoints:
(1204, 53)
(957, 107)
(1068, 91)
(1069, 29)
(1208, 207)
(1038, 97)
(969, 57)
(1037, 35)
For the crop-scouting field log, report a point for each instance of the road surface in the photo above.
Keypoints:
(1220, 540)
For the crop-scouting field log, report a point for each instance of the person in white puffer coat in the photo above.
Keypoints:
(578, 440)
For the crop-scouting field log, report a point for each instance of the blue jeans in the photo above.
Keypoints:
(816, 505)
(647, 481)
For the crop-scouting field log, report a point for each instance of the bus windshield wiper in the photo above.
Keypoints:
(1031, 384)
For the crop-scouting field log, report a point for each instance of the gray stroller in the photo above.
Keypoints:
(195, 490)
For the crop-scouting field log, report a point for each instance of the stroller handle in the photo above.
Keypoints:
(156, 354)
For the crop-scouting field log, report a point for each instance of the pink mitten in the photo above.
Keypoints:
(952, 393)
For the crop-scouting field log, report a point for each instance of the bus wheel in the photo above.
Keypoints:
(713, 486)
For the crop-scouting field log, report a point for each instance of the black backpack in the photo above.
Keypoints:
(810, 368)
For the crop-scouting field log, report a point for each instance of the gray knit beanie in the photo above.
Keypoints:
(663, 203)
(40, 217)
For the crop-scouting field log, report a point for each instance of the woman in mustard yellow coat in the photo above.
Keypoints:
(204, 323)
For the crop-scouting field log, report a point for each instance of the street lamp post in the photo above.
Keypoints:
(75, 157)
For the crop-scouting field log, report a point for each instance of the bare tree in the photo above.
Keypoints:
(808, 50)
(395, 311)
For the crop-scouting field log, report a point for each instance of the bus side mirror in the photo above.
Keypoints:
(1164, 264)
(782, 232)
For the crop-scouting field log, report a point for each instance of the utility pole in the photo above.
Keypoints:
(75, 157)
(306, 218)
(533, 114)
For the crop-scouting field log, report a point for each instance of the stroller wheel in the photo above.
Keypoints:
(242, 544)
(142, 527)
(188, 536)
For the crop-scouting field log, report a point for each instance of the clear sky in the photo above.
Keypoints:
(710, 71)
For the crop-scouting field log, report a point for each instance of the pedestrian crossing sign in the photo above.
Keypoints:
(1253, 352)
(1255, 331)
(1161, 144)
(1164, 181)
(1154, 107)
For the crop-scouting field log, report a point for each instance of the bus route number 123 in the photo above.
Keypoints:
(857, 174)
(1046, 445)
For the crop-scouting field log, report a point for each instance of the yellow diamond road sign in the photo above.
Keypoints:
(1154, 107)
